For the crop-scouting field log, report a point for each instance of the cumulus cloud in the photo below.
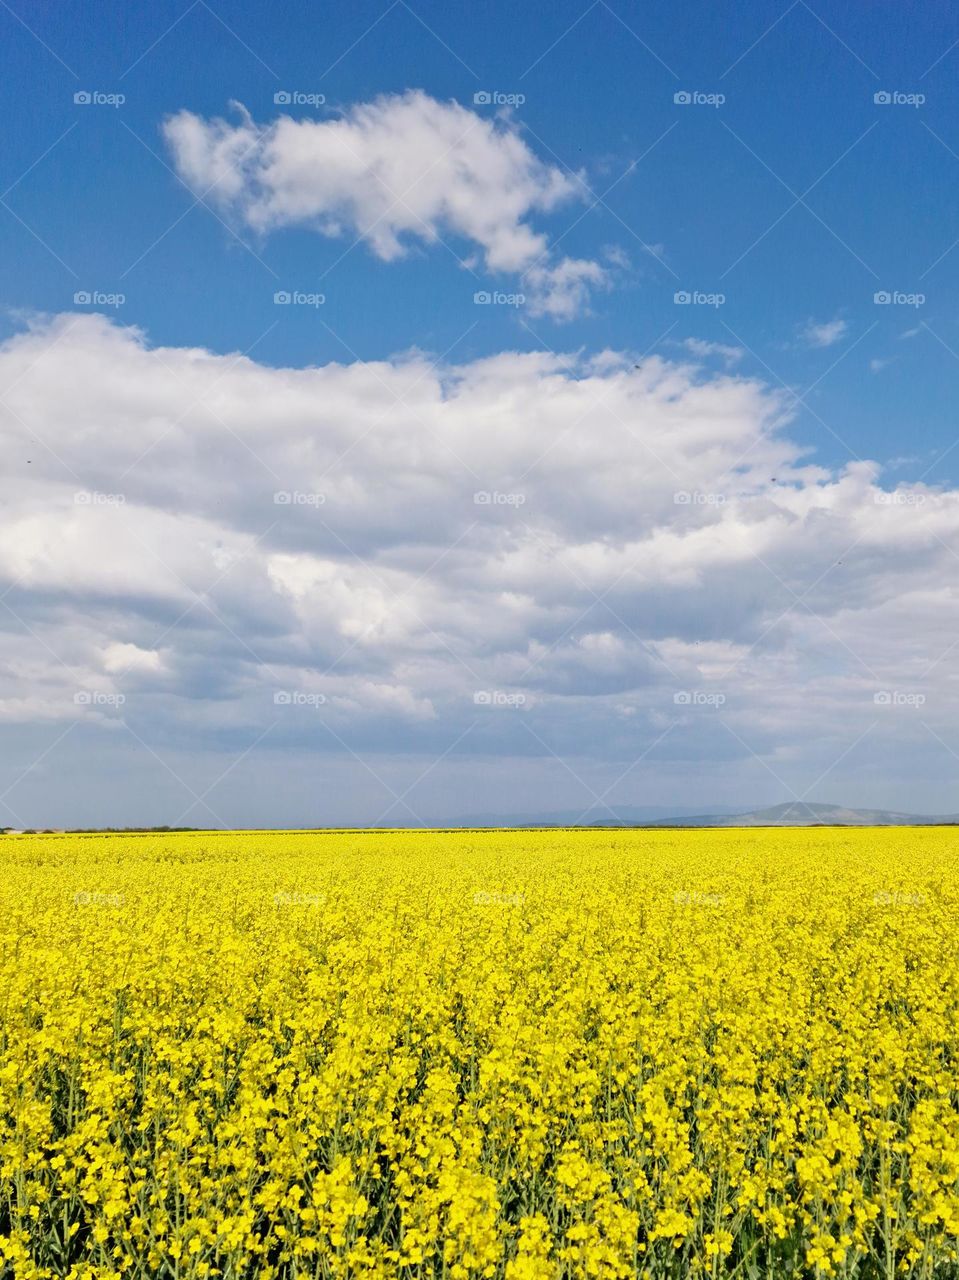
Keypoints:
(523, 555)
(401, 169)
(562, 291)
(824, 333)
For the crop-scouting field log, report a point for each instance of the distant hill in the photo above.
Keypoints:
(793, 814)
(617, 815)
(800, 814)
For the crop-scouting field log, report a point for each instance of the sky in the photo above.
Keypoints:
(411, 412)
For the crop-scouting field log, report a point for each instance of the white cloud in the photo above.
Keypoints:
(401, 169)
(121, 658)
(731, 355)
(562, 291)
(823, 333)
(642, 529)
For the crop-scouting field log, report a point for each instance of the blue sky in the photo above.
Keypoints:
(814, 167)
(800, 97)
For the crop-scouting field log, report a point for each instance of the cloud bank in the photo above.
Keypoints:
(523, 556)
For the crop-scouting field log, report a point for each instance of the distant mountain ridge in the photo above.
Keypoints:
(800, 814)
(795, 813)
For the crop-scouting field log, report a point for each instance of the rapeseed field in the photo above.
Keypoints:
(524, 1054)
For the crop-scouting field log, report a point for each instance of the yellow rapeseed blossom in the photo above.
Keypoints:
(522, 1055)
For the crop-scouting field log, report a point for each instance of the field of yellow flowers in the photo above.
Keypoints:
(507, 1054)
